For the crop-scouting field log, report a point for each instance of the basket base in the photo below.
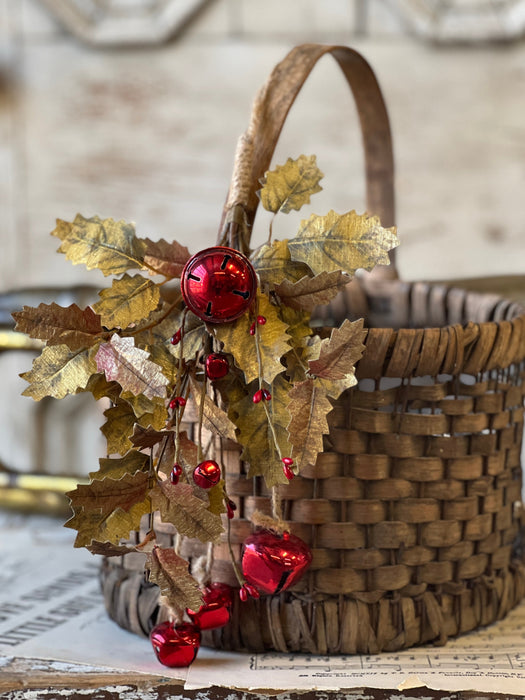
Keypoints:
(342, 625)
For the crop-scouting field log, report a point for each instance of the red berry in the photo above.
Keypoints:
(252, 591)
(261, 320)
(207, 474)
(176, 473)
(252, 329)
(177, 401)
(217, 365)
(175, 339)
(257, 397)
(266, 395)
(287, 460)
(231, 507)
(243, 594)
(288, 472)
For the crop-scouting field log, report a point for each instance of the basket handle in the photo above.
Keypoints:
(270, 109)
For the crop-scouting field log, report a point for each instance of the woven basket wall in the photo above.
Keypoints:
(413, 510)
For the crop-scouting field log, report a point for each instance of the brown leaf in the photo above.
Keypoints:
(339, 353)
(110, 246)
(214, 418)
(58, 371)
(216, 496)
(165, 258)
(148, 411)
(290, 186)
(108, 549)
(72, 326)
(99, 386)
(118, 428)
(116, 468)
(121, 361)
(308, 408)
(344, 242)
(106, 495)
(147, 437)
(165, 453)
(179, 506)
(310, 292)
(171, 573)
(127, 301)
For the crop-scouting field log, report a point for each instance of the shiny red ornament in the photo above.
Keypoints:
(217, 366)
(218, 284)
(207, 474)
(274, 562)
(215, 609)
(175, 645)
(176, 474)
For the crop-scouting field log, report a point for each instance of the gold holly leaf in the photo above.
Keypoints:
(192, 342)
(214, 418)
(273, 263)
(171, 574)
(290, 186)
(255, 433)
(148, 411)
(111, 246)
(106, 495)
(163, 258)
(273, 342)
(72, 326)
(216, 497)
(188, 450)
(123, 362)
(128, 300)
(308, 407)
(179, 506)
(118, 427)
(116, 468)
(344, 242)
(161, 356)
(92, 526)
(99, 386)
(58, 371)
(339, 353)
(310, 292)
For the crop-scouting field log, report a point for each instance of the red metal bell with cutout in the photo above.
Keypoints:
(176, 646)
(218, 284)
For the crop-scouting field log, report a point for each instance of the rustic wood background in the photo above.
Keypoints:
(149, 134)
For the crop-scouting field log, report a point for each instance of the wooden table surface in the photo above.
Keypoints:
(34, 679)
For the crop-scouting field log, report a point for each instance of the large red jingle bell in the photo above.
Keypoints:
(273, 563)
(218, 284)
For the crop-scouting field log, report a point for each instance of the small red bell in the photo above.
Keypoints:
(218, 284)
(217, 366)
(215, 610)
(272, 562)
(175, 645)
(207, 474)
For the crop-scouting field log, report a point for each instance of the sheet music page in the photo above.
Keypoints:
(51, 608)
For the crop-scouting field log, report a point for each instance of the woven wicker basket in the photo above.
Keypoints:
(413, 510)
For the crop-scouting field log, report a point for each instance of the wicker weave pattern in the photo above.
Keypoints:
(412, 509)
